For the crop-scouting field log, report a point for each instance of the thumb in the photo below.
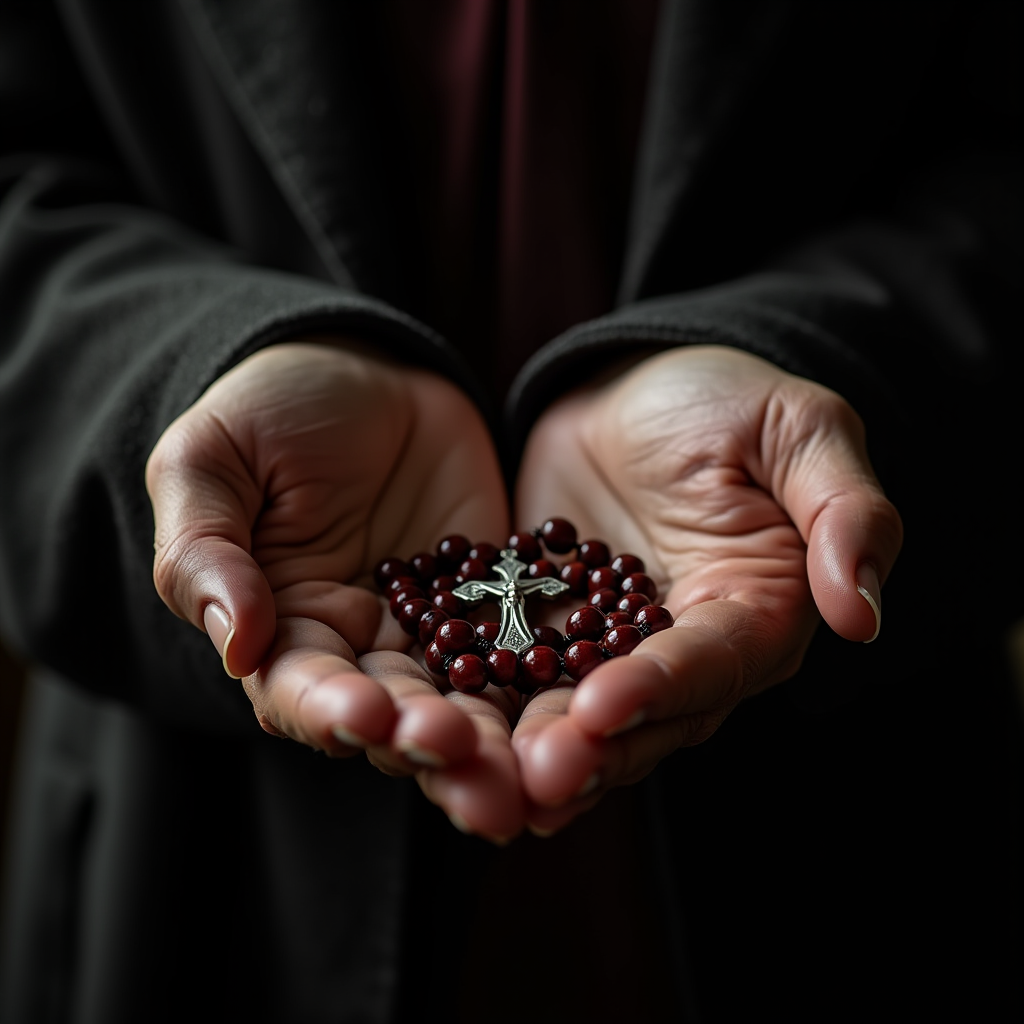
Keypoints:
(204, 502)
(852, 532)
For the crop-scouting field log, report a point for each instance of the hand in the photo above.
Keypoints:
(748, 493)
(274, 497)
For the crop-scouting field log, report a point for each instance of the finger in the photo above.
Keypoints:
(851, 549)
(853, 533)
(562, 773)
(482, 796)
(684, 680)
(354, 613)
(567, 767)
(310, 689)
(700, 668)
(558, 762)
(544, 822)
(567, 771)
(203, 502)
(541, 712)
(431, 731)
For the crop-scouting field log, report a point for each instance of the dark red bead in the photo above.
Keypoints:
(443, 582)
(468, 673)
(447, 601)
(403, 594)
(621, 640)
(604, 578)
(473, 569)
(653, 618)
(454, 549)
(559, 536)
(424, 565)
(541, 666)
(485, 552)
(434, 659)
(632, 603)
(502, 667)
(613, 619)
(455, 636)
(582, 657)
(585, 624)
(605, 600)
(388, 568)
(594, 553)
(627, 564)
(542, 569)
(410, 614)
(526, 546)
(575, 574)
(429, 624)
(639, 583)
(488, 631)
(548, 636)
(401, 581)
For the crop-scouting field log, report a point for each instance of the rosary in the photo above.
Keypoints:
(430, 595)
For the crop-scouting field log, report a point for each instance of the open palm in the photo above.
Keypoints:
(748, 493)
(274, 497)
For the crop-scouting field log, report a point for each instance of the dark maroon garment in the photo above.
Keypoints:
(524, 120)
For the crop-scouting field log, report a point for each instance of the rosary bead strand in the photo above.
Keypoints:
(618, 615)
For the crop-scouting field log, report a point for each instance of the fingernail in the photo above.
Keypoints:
(221, 632)
(353, 739)
(630, 723)
(589, 786)
(416, 754)
(869, 588)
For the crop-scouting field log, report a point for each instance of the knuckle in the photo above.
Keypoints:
(165, 567)
(841, 413)
(175, 567)
(171, 451)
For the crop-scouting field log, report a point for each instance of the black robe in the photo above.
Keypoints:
(832, 186)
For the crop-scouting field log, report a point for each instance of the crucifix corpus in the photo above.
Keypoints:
(514, 633)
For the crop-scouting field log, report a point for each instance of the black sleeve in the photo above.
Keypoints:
(910, 308)
(115, 319)
(900, 315)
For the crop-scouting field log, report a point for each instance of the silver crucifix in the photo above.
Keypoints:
(514, 633)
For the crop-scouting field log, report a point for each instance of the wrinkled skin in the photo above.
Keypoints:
(274, 497)
(747, 492)
(749, 495)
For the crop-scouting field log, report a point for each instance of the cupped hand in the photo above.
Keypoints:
(749, 494)
(274, 497)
